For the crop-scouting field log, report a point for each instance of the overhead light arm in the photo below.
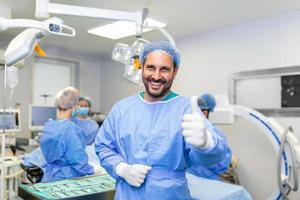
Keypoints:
(53, 25)
(140, 22)
(44, 7)
(164, 32)
(25, 42)
(19, 23)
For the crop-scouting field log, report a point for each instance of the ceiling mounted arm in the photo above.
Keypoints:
(164, 32)
(140, 22)
(44, 7)
(19, 23)
(53, 25)
(27, 41)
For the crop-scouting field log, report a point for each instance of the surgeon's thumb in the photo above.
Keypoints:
(194, 105)
(147, 167)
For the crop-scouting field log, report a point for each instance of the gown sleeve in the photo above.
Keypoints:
(105, 145)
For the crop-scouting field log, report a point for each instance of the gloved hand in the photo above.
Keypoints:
(133, 174)
(194, 130)
(99, 170)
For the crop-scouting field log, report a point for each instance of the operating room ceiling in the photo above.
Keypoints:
(184, 18)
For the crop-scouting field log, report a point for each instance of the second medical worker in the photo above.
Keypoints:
(82, 119)
(62, 142)
(149, 140)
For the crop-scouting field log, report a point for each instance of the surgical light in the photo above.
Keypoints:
(121, 29)
(22, 45)
(129, 55)
(121, 53)
(124, 53)
(133, 70)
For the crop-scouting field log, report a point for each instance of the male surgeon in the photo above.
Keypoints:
(149, 140)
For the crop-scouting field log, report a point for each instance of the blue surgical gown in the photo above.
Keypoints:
(213, 172)
(63, 147)
(89, 128)
(138, 132)
(34, 158)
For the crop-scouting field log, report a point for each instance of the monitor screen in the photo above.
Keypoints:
(39, 115)
(10, 120)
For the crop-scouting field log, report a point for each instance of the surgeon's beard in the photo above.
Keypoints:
(165, 90)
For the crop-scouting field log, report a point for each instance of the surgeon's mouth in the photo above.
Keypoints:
(156, 85)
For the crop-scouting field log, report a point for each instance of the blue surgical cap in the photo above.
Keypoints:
(67, 98)
(163, 46)
(207, 102)
(87, 99)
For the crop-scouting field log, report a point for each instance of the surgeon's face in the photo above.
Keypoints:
(158, 74)
(83, 103)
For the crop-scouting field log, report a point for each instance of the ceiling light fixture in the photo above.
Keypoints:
(121, 29)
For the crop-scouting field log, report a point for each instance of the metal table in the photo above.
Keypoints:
(100, 187)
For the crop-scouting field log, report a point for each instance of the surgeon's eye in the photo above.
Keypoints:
(165, 69)
(150, 67)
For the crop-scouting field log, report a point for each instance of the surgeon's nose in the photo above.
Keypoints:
(156, 75)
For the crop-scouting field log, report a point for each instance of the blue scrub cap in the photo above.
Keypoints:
(67, 98)
(207, 102)
(86, 99)
(163, 46)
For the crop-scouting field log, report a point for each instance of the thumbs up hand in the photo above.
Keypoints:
(194, 130)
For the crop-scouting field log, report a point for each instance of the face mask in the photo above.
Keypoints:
(83, 111)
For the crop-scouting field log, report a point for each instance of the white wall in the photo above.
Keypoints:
(89, 73)
(208, 58)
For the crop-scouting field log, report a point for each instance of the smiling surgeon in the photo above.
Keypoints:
(149, 140)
